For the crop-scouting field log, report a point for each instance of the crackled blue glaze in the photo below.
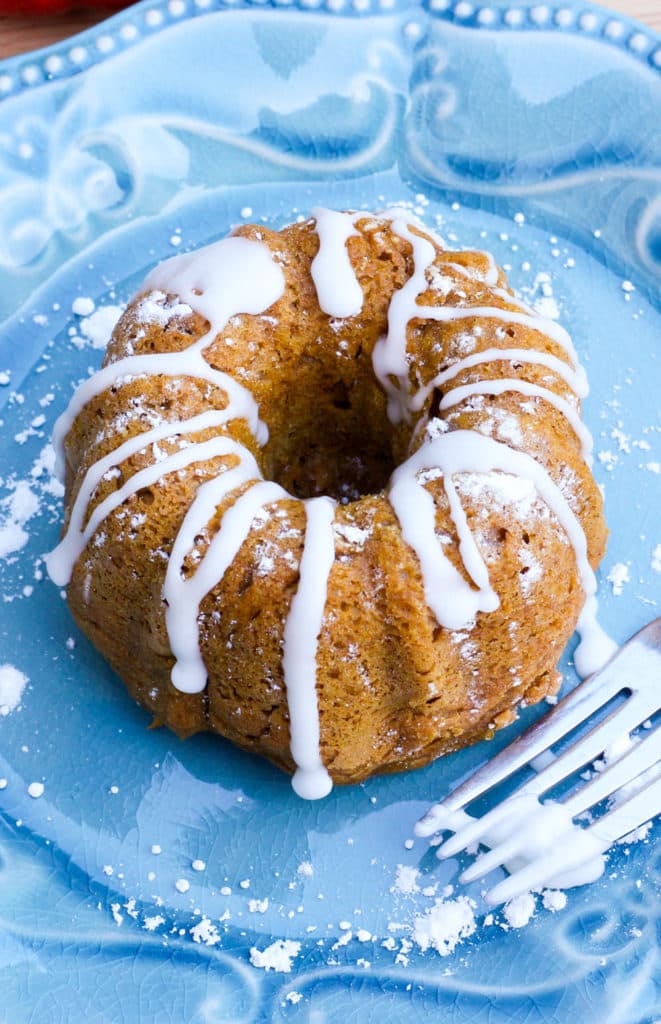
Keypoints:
(180, 116)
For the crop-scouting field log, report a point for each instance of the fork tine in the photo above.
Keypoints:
(621, 721)
(643, 756)
(633, 662)
(556, 723)
(629, 814)
(496, 856)
(544, 872)
(474, 829)
(586, 845)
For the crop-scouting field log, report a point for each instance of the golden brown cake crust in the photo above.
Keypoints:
(394, 688)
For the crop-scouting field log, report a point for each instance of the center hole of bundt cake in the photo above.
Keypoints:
(334, 437)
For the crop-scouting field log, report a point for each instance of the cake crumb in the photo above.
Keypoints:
(258, 906)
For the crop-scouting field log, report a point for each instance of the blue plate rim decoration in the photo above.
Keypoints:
(76, 892)
(38, 67)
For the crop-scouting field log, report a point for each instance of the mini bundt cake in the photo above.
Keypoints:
(330, 497)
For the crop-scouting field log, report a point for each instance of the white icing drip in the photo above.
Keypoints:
(168, 364)
(301, 638)
(235, 275)
(338, 289)
(452, 600)
(468, 549)
(550, 328)
(488, 277)
(184, 597)
(506, 296)
(492, 274)
(499, 387)
(147, 477)
(61, 560)
(595, 647)
(575, 379)
(389, 357)
(221, 280)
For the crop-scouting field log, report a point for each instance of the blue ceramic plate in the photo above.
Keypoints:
(531, 131)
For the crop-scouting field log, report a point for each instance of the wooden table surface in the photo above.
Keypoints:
(17, 35)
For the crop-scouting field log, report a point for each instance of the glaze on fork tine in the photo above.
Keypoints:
(634, 675)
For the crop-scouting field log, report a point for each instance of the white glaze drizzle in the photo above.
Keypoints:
(489, 277)
(575, 379)
(181, 459)
(506, 296)
(446, 314)
(251, 282)
(168, 364)
(61, 560)
(338, 290)
(523, 387)
(451, 598)
(301, 638)
(595, 647)
(456, 604)
(389, 357)
(184, 596)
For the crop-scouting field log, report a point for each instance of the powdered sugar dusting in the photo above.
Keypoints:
(503, 488)
(445, 924)
(155, 308)
(18, 509)
(12, 684)
(406, 879)
(617, 576)
(96, 329)
(518, 911)
(277, 957)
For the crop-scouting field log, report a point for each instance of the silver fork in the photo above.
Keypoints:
(634, 675)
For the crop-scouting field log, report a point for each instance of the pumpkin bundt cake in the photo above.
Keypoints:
(330, 497)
